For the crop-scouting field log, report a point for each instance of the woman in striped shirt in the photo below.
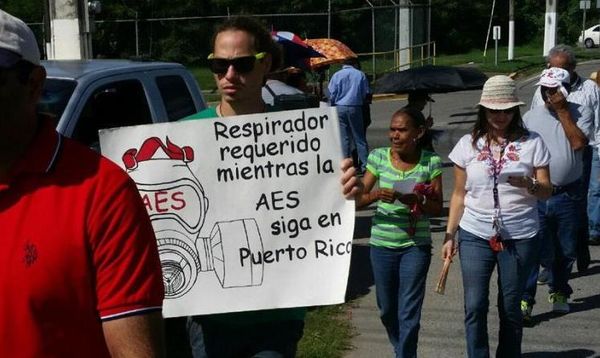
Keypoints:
(409, 189)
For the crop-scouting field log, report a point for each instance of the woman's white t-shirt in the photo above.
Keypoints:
(518, 209)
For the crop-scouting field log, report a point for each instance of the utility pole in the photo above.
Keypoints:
(511, 29)
(329, 19)
(404, 34)
(372, 36)
(550, 26)
(70, 29)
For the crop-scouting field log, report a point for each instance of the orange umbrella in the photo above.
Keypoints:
(333, 50)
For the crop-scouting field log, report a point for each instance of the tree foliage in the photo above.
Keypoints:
(456, 25)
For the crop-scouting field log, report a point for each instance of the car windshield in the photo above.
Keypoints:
(57, 93)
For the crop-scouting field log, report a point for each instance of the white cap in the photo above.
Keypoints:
(554, 77)
(17, 41)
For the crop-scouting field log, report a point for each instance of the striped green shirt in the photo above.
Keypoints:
(391, 221)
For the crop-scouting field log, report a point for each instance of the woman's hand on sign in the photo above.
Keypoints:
(351, 185)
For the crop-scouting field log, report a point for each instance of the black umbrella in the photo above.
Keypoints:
(431, 79)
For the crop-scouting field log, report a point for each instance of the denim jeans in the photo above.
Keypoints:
(477, 261)
(400, 276)
(210, 339)
(559, 221)
(593, 196)
(352, 131)
(543, 255)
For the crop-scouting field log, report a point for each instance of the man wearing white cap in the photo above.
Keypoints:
(586, 93)
(565, 128)
(79, 266)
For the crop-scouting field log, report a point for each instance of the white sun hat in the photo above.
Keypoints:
(499, 92)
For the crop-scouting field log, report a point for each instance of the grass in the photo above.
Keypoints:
(327, 332)
(528, 60)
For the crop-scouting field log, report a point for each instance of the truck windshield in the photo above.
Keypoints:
(55, 97)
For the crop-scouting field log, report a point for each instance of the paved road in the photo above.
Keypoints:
(576, 334)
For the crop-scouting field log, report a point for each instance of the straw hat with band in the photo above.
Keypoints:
(499, 92)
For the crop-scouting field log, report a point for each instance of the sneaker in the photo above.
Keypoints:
(543, 276)
(594, 241)
(559, 302)
(526, 310)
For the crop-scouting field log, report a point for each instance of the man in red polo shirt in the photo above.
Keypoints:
(79, 268)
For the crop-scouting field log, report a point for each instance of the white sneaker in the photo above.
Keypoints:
(559, 302)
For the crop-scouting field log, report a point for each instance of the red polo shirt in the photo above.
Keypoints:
(76, 248)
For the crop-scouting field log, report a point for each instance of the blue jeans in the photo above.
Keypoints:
(352, 131)
(210, 339)
(543, 255)
(477, 262)
(400, 276)
(593, 196)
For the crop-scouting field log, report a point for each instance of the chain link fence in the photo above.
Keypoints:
(374, 33)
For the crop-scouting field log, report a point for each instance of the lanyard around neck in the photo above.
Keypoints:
(496, 169)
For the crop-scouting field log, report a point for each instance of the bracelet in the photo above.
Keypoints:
(533, 187)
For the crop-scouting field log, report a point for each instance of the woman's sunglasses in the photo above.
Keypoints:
(508, 110)
(242, 64)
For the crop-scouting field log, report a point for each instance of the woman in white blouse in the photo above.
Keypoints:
(500, 171)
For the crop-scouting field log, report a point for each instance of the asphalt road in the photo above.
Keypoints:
(576, 334)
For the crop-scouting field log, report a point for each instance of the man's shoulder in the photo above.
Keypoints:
(586, 85)
(81, 164)
(210, 112)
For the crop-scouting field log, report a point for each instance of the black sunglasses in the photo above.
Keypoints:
(242, 64)
(508, 110)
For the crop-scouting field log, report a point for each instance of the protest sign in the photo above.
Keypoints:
(247, 210)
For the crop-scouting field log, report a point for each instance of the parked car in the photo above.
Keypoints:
(88, 95)
(591, 37)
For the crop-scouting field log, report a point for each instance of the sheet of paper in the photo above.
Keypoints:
(404, 186)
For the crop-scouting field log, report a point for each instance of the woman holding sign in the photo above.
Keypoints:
(500, 171)
(409, 190)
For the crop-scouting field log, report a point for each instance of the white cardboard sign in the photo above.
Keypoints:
(248, 210)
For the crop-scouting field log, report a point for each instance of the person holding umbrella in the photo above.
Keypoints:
(418, 100)
(500, 171)
(409, 190)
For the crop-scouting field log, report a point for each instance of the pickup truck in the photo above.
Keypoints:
(88, 95)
